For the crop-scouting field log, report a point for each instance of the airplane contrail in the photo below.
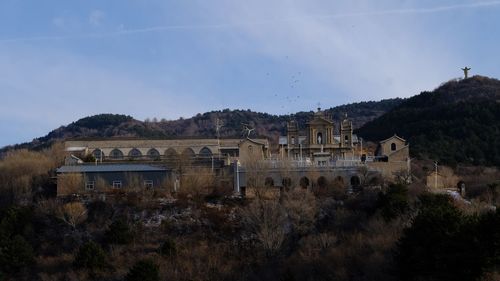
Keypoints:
(415, 11)
(262, 22)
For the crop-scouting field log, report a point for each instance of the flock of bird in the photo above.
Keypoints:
(289, 98)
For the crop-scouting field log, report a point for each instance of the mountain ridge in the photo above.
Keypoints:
(458, 122)
(202, 125)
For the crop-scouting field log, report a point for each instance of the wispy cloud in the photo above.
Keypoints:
(359, 57)
(58, 22)
(96, 17)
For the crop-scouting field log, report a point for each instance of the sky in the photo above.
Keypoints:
(63, 60)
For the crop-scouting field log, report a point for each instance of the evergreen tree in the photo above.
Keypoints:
(144, 270)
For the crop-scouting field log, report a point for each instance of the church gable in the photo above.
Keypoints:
(391, 146)
(320, 121)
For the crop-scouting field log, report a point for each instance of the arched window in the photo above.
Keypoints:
(153, 154)
(339, 179)
(346, 137)
(292, 140)
(322, 181)
(171, 154)
(135, 153)
(269, 182)
(205, 152)
(116, 154)
(188, 153)
(355, 181)
(304, 182)
(393, 146)
(98, 154)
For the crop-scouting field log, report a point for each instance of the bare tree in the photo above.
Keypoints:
(300, 207)
(256, 172)
(197, 182)
(402, 176)
(73, 213)
(266, 219)
(70, 183)
(364, 174)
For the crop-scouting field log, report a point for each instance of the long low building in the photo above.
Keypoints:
(144, 149)
(73, 179)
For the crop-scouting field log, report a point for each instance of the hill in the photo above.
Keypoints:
(201, 125)
(459, 122)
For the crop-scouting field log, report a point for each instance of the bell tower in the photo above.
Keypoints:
(293, 134)
(346, 132)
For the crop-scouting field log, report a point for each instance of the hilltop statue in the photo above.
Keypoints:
(466, 72)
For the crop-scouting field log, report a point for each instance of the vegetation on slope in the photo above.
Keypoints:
(459, 122)
(201, 125)
(201, 232)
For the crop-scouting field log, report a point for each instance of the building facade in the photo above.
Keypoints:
(320, 140)
(111, 150)
(85, 178)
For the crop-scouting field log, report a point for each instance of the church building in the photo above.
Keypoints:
(320, 139)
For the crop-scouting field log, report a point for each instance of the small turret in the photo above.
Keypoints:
(293, 133)
(346, 132)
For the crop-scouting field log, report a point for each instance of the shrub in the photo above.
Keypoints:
(144, 270)
(89, 158)
(91, 256)
(168, 248)
(17, 221)
(444, 244)
(118, 233)
(15, 254)
(394, 202)
(18, 169)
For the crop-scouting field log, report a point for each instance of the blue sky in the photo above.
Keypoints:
(63, 60)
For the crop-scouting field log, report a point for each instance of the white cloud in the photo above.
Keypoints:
(59, 22)
(96, 17)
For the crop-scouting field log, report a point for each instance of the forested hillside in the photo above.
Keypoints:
(459, 122)
(203, 125)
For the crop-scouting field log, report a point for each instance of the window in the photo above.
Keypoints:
(205, 152)
(116, 154)
(98, 154)
(135, 153)
(153, 154)
(393, 146)
(293, 140)
(250, 148)
(90, 185)
(148, 184)
(117, 184)
(346, 137)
